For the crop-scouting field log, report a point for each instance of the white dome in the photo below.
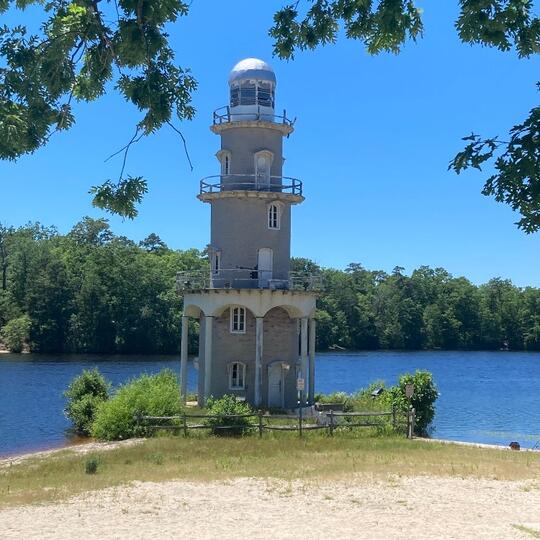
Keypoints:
(252, 68)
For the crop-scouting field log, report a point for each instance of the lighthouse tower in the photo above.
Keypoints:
(257, 327)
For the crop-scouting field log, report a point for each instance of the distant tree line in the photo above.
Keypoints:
(93, 291)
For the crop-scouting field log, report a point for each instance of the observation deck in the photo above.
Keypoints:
(242, 278)
(251, 185)
(223, 118)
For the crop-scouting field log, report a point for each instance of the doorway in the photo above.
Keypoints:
(265, 264)
(262, 170)
(275, 385)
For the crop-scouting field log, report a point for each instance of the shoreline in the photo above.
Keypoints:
(78, 448)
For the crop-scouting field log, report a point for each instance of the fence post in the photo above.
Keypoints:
(331, 423)
(300, 420)
(260, 424)
(184, 420)
(413, 421)
(394, 416)
(409, 423)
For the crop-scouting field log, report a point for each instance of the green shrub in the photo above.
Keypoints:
(91, 465)
(223, 407)
(149, 395)
(423, 399)
(15, 333)
(85, 393)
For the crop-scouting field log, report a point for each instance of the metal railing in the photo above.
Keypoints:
(223, 115)
(250, 182)
(246, 278)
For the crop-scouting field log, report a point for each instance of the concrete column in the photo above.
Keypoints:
(259, 329)
(304, 349)
(184, 358)
(208, 327)
(311, 394)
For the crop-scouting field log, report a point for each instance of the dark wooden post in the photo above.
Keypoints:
(300, 420)
(260, 424)
(331, 423)
(394, 416)
(184, 420)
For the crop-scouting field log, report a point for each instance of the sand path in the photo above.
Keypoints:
(360, 507)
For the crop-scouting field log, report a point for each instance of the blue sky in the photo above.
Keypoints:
(373, 139)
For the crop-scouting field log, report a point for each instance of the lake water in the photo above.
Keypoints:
(489, 397)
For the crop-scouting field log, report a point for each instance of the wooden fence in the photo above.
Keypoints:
(331, 421)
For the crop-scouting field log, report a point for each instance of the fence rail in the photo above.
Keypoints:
(330, 421)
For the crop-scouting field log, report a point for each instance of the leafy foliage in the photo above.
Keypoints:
(224, 424)
(85, 393)
(85, 46)
(15, 333)
(82, 48)
(91, 465)
(92, 291)
(386, 25)
(423, 399)
(150, 395)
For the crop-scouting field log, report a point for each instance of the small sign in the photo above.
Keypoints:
(409, 390)
(300, 384)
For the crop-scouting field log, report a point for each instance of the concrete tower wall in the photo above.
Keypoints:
(240, 229)
(243, 143)
(239, 348)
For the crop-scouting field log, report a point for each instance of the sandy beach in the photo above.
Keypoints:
(356, 507)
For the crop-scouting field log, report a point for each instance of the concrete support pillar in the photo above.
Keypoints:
(259, 329)
(311, 393)
(208, 327)
(184, 358)
(304, 349)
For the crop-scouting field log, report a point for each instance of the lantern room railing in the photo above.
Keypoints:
(250, 182)
(242, 278)
(223, 115)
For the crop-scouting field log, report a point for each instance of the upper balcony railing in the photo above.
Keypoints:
(223, 115)
(250, 182)
(246, 278)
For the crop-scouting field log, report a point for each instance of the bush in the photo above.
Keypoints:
(91, 465)
(223, 407)
(85, 394)
(15, 333)
(149, 395)
(423, 399)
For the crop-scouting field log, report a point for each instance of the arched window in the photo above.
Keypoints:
(238, 320)
(274, 216)
(237, 376)
(216, 262)
(224, 157)
(263, 164)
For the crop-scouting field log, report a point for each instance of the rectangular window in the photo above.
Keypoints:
(237, 376)
(238, 320)
(248, 94)
(264, 95)
(235, 96)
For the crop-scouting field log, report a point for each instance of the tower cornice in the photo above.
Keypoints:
(284, 129)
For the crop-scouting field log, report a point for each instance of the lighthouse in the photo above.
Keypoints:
(256, 317)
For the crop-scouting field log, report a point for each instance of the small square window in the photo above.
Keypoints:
(238, 320)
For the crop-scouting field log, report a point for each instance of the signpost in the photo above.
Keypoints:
(409, 392)
(300, 385)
